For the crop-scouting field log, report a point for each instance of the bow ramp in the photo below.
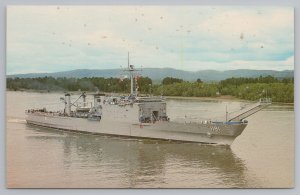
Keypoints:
(244, 113)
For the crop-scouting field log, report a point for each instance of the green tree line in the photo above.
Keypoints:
(280, 90)
(73, 84)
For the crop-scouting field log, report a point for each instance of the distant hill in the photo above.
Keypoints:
(158, 74)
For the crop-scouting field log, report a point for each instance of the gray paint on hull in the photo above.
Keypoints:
(191, 132)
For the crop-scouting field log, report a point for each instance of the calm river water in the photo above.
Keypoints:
(263, 156)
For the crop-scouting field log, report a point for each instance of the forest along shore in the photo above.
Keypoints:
(279, 89)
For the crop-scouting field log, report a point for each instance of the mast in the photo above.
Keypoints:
(67, 110)
(84, 99)
(130, 69)
(133, 78)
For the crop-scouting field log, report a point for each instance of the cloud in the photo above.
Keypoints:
(51, 38)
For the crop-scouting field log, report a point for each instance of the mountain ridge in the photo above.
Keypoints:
(160, 73)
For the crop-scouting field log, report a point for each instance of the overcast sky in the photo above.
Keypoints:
(60, 38)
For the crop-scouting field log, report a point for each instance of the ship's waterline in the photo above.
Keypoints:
(206, 133)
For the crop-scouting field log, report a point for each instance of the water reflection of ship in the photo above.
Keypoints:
(145, 163)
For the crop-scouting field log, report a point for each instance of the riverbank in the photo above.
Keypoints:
(222, 97)
(218, 98)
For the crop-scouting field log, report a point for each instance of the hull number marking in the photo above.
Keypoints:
(215, 129)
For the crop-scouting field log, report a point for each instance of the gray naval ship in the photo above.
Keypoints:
(140, 117)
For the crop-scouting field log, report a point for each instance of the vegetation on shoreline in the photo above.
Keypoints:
(280, 90)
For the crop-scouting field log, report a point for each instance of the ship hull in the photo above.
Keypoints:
(212, 133)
